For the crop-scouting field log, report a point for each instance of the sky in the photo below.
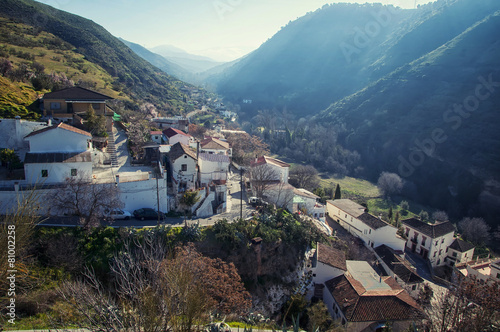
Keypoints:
(223, 30)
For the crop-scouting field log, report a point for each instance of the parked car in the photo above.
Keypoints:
(148, 213)
(117, 214)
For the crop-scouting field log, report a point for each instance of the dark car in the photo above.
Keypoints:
(148, 213)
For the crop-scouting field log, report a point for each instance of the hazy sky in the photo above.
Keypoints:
(221, 29)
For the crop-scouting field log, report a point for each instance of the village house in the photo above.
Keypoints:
(327, 263)
(56, 153)
(459, 252)
(279, 168)
(364, 301)
(63, 104)
(372, 230)
(431, 241)
(213, 168)
(306, 200)
(156, 136)
(400, 269)
(173, 136)
(13, 132)
(213, 145)
(184, 167)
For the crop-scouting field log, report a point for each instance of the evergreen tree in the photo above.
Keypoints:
(338, 194)
(390, 214)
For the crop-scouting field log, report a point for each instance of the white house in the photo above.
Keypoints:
(213, 145)
(459, 252)
(156, 136)
(184, 167)
(372, 230)
(280, 194)
(327, 263)
(173, 136)
(431, 241)
(305, 199)
(364, 301)
(280, 168)
(56, 153)
(213, 168)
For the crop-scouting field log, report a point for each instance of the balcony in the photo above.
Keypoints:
(414, 240)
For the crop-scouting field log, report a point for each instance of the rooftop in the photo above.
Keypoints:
(401, 268)
(359, 305)
(214, 144)
(348, 206)
(76, 93)
(431, 230)
(57, 157)
(461, 246)
(305, 193)
(171, 132)
(269, 161)
(60, 126)
(372, 221)
(330, 256)
(179, 149)
(220, 158)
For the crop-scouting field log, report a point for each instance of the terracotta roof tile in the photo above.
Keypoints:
(214, 144)
(330, 256)
(179, 149)
(61, 126)
(171, 132)
(268, 160)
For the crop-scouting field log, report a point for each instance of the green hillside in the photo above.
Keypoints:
(99, 57)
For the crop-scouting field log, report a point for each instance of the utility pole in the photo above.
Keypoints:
(158, 196)
(241, 192)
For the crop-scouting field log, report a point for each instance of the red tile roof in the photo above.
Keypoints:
(214, 144)
(359, 305)
(330, 256)
(268, 160)
(171, 132)
(61, 126)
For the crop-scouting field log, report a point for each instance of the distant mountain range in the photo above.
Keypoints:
(392, 78)
(191, 62)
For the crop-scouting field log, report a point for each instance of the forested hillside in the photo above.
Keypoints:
(392, 79)
(92, 46)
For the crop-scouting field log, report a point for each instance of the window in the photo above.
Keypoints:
(74, 172)
(414, 287)
(442, 241)
(370, 231)
(440, 252)
(423, 240)
(55, 106)
(435, 253)
(498, 275)
(438, 262)
(96, 107)
(454, 254)
(184, 167)
(45, 173)
(447, 249)
(436, 243)
(407, 231)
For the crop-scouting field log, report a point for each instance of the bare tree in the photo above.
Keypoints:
(304, 176)
(280, 194)
(389, 184)
(262, 177)
(475, 230)
(86, 199)
(440, 216)
(470, 306)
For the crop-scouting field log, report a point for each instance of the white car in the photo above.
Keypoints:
(118, 214)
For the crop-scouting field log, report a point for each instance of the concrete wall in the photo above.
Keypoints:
(325, 272)
(57, 172)
(13, 131)
(142, 194)
(190, 176)
(59, 140)
(210, 171)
